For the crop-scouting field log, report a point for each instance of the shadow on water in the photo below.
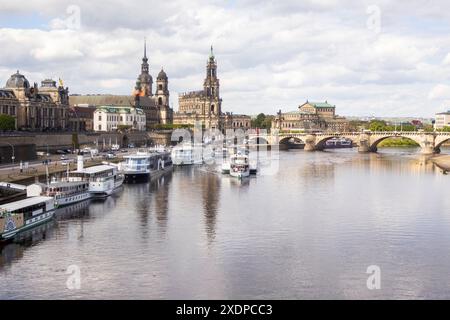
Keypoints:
(13, 250)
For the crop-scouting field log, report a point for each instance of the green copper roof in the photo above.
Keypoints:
(321, 104)
(119, 109)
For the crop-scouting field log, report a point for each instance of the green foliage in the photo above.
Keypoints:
(381, 125)
(398, 142)
(377, 125)
(357, 125)
(123, 127)
(262, 121)
(444, 129)
(7, 122)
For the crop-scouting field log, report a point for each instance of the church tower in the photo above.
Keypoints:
(212, 86)
(162, 89)
(145, 78)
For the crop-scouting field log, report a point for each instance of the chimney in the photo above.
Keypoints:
(80, 166)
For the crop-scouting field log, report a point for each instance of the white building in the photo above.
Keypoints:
(111, 118)
(442, 120)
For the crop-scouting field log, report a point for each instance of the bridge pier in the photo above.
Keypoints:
(364, 145)
(428, 150)
(310, 143)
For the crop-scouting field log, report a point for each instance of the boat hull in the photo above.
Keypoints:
(240, 174)
(158, 173)
(136, 177)
(61, 202)
(29, 224)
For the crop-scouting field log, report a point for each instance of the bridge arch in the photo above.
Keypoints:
(286, 140)
(374, 143)
(320, 144)
(440, 142)
(258, 140)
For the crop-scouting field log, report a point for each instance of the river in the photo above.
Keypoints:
(310, 231)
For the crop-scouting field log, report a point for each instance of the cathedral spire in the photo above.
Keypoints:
(211, 55)
(145, 48)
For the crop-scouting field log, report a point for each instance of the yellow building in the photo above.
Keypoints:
(41, 108)
(311, 116)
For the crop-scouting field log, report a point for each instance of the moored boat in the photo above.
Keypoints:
(64, 192)
(21, 215)
(337, 143)
(103, 179)
(145, 165)
(190, 154)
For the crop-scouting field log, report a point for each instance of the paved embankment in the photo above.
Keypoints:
(30, 174)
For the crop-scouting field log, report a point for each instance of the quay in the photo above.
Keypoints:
(15, 175)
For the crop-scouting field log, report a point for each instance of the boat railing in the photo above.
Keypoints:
(135, 167)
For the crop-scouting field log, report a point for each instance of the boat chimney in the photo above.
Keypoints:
(80, 165)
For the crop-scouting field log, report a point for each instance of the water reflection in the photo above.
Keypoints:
(13, 251)
(308, 231)
(211, 187)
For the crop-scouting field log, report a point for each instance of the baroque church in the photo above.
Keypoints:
(155, 104)
(206, 105)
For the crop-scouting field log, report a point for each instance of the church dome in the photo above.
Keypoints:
(162, 75)
(17, 80)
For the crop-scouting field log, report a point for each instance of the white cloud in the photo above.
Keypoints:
(440, 91)
(270, 54)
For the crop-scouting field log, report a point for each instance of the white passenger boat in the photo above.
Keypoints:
(189, 154)
(21, 215)
(238, 166)
(64, 192)
(145, 165)
(103, 179)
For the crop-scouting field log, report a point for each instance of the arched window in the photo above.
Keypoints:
(212, 108)
(160, 101)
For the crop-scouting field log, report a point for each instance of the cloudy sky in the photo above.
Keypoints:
(378, 57)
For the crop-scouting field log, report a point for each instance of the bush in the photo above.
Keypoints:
(7, 122)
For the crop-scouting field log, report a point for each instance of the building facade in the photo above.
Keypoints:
(81, 118)
(43, 108)
(442, 120)
(206, 105)
(113, 118)
(311, 116)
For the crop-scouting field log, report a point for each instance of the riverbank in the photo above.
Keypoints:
(442, 161)
(56, 168)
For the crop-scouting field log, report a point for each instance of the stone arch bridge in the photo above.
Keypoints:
(430, 142)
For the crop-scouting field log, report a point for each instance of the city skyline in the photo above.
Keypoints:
(270, 56)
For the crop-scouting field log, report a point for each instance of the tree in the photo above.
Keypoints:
(445, 129)
(262, 121)
(123, 127)
(377, 125)
(357, 125)
(7, 122)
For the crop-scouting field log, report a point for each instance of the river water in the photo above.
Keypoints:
(309, 231)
